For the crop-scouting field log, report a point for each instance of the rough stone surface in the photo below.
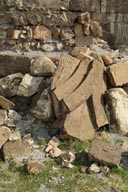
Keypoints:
(117, 100)
(67, 65)
(29, 85)
(6, 104)
(9, 84)
(116, 73)
(3, 116)
(107, 59)
(42, 33)
(34, 167)
(103, 152)
(42, 66)
(80, 5)
(78, 123)
(4, 135)
(43, 108)
(17, 150)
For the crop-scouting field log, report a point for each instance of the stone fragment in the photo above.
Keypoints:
(94, 168)
(52, 147)
(104, 152)
(81, 5)
(66, 159)
(78, 30)
(13, 33)
(16, 135)
(107, 59)
(117, 100)
(9, 84)
(84, 18)
(3, 116)
(4, 135)
(29, 85)
(66, 67)
(14, 115)
(43, 109)
(17, 151)
(34, 167)
(96, 29)
(76, 51)
(48, 47)
(83, 41)
(116, 73)
(42, 33)
(6, 104)
(42, 66)
(78, 123)
(66, 33)
(86, 29)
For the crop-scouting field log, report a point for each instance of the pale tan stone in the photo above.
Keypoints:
(107, 59)
(78, 123)
(117, 73)
(42, 33)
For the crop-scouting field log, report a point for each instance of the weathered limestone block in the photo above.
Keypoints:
(17, 150)
(78, 123)
(96, 29)
(9, 84)
(42, 66)
(67, 87)
(10, 63)
(66, 33)
(104, 152)
(117, 100)
(5, 103)
(29, 85)
(116, 73)
(42, 33)
(43, 109)
(3, 116)
(66, 67)
(4, 135)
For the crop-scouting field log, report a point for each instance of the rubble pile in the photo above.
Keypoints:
(77, 89)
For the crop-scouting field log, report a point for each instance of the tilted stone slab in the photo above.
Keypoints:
(67, 65)
(78, 123)
(117, 73)
(73, 82)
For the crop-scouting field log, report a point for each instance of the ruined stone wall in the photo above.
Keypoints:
(59, 16)
(113, 14)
